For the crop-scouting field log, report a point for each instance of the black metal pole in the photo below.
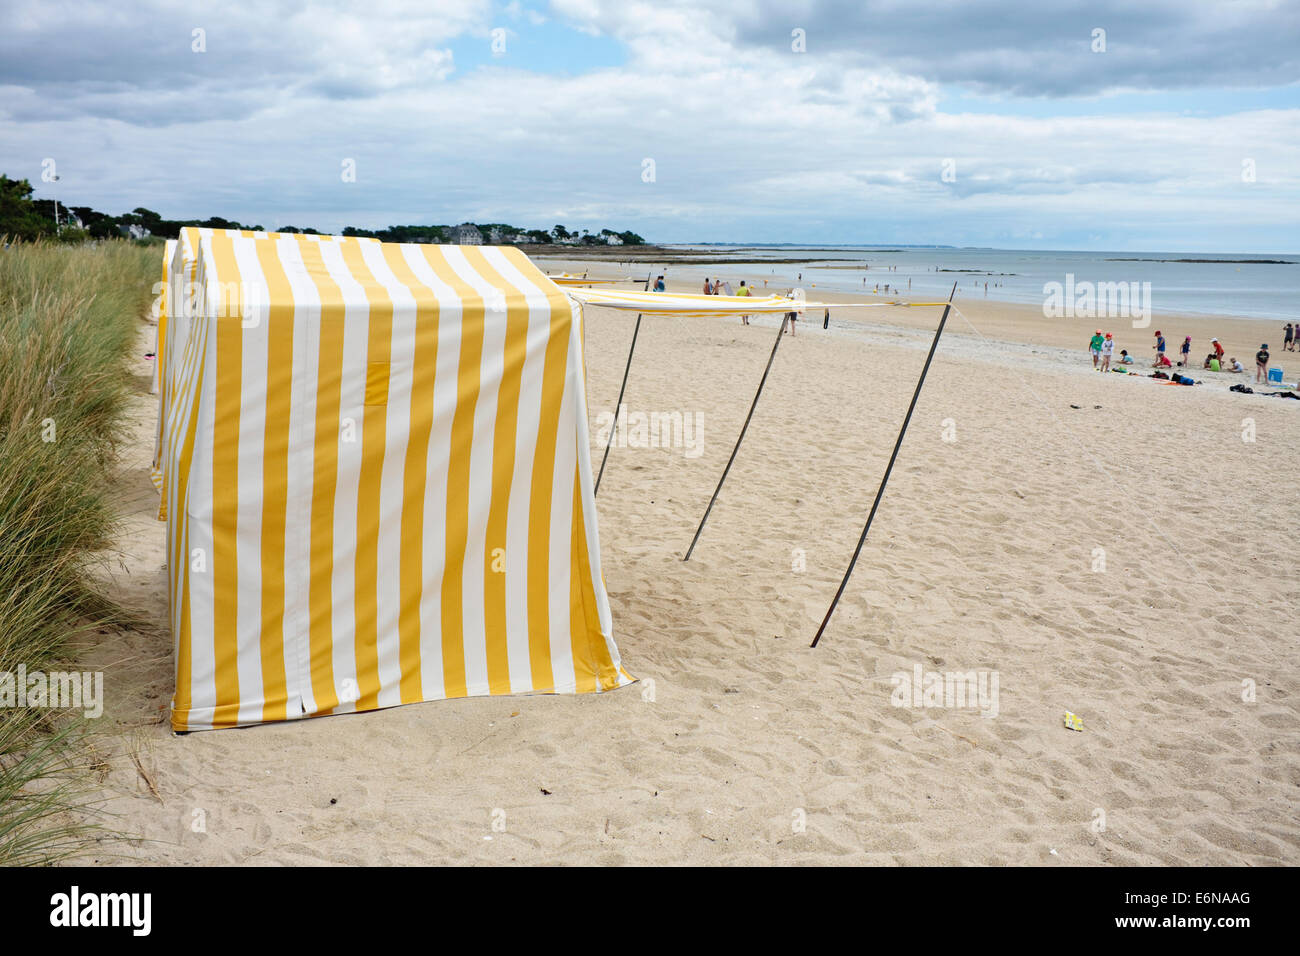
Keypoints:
(619, 404)
(785, 317)
(880, 493)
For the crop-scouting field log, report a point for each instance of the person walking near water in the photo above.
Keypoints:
(708, 287)
(744, 290)
(1288, 338)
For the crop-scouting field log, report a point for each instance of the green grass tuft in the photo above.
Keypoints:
(69, 316)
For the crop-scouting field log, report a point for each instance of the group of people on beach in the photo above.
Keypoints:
(1102, 346)
(718, 287)
(1214, 360)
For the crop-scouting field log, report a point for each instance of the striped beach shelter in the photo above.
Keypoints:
(377, 481)
(180, 260)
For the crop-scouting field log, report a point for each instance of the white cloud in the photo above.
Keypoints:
(750, 141)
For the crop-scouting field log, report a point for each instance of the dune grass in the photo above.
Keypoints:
(68, 320)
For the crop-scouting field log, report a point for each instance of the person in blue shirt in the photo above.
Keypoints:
(1160, 349)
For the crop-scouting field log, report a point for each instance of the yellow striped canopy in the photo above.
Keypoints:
(695, 303)
(566, 279)
(378, 482)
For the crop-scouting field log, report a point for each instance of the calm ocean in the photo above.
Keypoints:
(1233, 289)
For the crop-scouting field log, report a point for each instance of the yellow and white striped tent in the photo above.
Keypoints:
(178, 285)
(377, 481)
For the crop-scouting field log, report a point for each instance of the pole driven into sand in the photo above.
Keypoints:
(880, 493)
(613, 428)
(785, 317)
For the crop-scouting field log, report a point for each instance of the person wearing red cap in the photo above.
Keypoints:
(1107, 349)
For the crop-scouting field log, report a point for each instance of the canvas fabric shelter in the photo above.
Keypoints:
(377, 478)
(566, 279)
(160, 330)
(179, 262)
(695, 303)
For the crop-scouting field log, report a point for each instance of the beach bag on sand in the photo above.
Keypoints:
(1244, 389)
(1159, 375)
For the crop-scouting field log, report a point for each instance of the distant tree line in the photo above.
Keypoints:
(494, 233)
(23, 217)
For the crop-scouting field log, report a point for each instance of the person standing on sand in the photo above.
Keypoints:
(1288, 338)
(1094, 346)
(1261, 364)
(708, 287)
(1218, 350)
(659, 285)
(743, 290)
(1107, 349)
(1160, 349)
(1186, 350)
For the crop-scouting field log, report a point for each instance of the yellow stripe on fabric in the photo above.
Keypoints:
(275, 477)
(503, 469)
(554, 372)
(329, 383)
(181, 560)
(415, 474)
(589, 643)
(223, 562)
(189, 383)
(373, 439)
(458, 473)
(584, 665)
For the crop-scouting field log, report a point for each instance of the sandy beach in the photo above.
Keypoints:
(1099, 544)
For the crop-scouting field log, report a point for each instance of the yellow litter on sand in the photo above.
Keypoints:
(1073, 721)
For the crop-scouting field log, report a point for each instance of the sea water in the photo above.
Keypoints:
(1248, 290)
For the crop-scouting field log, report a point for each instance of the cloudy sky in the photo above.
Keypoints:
(1170, 125)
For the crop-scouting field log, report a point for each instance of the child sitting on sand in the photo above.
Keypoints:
(1125, 358)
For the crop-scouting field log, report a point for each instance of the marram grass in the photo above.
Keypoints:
(69, 316)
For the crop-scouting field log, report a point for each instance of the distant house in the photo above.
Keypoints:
(467, 234)
(495, 236)
(133, 231)
(613, 240)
